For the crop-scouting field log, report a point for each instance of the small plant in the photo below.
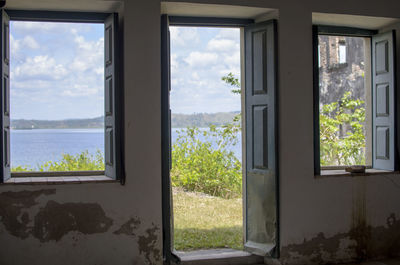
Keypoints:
(233, 81)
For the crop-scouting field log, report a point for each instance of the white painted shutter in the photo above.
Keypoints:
(383, 101)
(5, 96)
(261, 185)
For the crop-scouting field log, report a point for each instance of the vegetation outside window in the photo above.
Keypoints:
(354, 100)
(112, 91)
(259, 58)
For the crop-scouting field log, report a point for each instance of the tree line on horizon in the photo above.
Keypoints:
(178, 120)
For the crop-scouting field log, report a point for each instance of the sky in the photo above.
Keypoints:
(57, 70)
(199, 58)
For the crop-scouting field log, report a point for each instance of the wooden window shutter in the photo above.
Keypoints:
(261, 180)
(5, 97)
(111, 134)
(383, 109)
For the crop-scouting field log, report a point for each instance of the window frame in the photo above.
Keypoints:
(117, 96)
(169, 255)
(346, 32)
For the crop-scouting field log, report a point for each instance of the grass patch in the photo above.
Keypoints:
(203, 221)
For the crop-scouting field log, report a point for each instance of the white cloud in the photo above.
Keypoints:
(80, 90)
(197, 70)
(14, 44)
(30, 42)
(195, 76)
(182, 36)
(222, 45)
(201, 59)
(32, 27)
(89, 55)
(174, 62)
(233, 58)
(231, 34)
(56, 70)
(43, 67)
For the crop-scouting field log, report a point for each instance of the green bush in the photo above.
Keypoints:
(80, 162)
(347, 150)
(198, 166)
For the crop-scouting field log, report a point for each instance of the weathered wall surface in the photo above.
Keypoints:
(322, 220)
(101, 224)
(75, 224)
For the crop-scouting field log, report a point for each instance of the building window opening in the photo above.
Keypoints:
(342, 52)
(345, 101)
(56, 96)
(206, 130)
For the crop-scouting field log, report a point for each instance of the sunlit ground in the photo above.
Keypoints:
(204, 222)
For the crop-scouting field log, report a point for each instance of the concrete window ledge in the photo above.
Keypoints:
(219, 257)
(343, 173)
(58, 180)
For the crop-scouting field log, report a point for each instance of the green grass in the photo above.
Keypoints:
(204, 222)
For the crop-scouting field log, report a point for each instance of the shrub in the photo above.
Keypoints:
(80, 162)
(347, 150)
(208, 165)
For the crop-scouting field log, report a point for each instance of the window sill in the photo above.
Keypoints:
(58, 180)
(218, 257)
(343, 173)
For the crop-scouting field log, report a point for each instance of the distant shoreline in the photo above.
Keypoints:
(200, 120)
(22, 124)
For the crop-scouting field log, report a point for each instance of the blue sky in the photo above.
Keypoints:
(199, 58)
(57, 70)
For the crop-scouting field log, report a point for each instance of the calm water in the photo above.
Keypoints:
(34, 147)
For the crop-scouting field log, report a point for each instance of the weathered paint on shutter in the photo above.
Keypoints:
(110, 86)
(168, 220)
(5, 96)
(165, 137)
(261, 184)
(383, 101)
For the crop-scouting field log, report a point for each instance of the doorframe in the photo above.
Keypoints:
(166, 21)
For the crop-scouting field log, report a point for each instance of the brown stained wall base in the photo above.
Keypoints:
(56, 220)
(367, 243)
(147, 242)
(51, 222)
(129, 227)
(12, 206)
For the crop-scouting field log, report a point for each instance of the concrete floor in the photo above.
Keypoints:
(236, 257)
(384, 262)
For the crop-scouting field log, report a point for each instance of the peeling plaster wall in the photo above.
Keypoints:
(76, 224)
(91, 224)
(321, 220)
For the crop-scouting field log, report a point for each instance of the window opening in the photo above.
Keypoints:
(206, 171)
(345, 104)
(342, 52)
(56, 96)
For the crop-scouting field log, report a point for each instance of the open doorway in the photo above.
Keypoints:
(206, 134)
(252, 126)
